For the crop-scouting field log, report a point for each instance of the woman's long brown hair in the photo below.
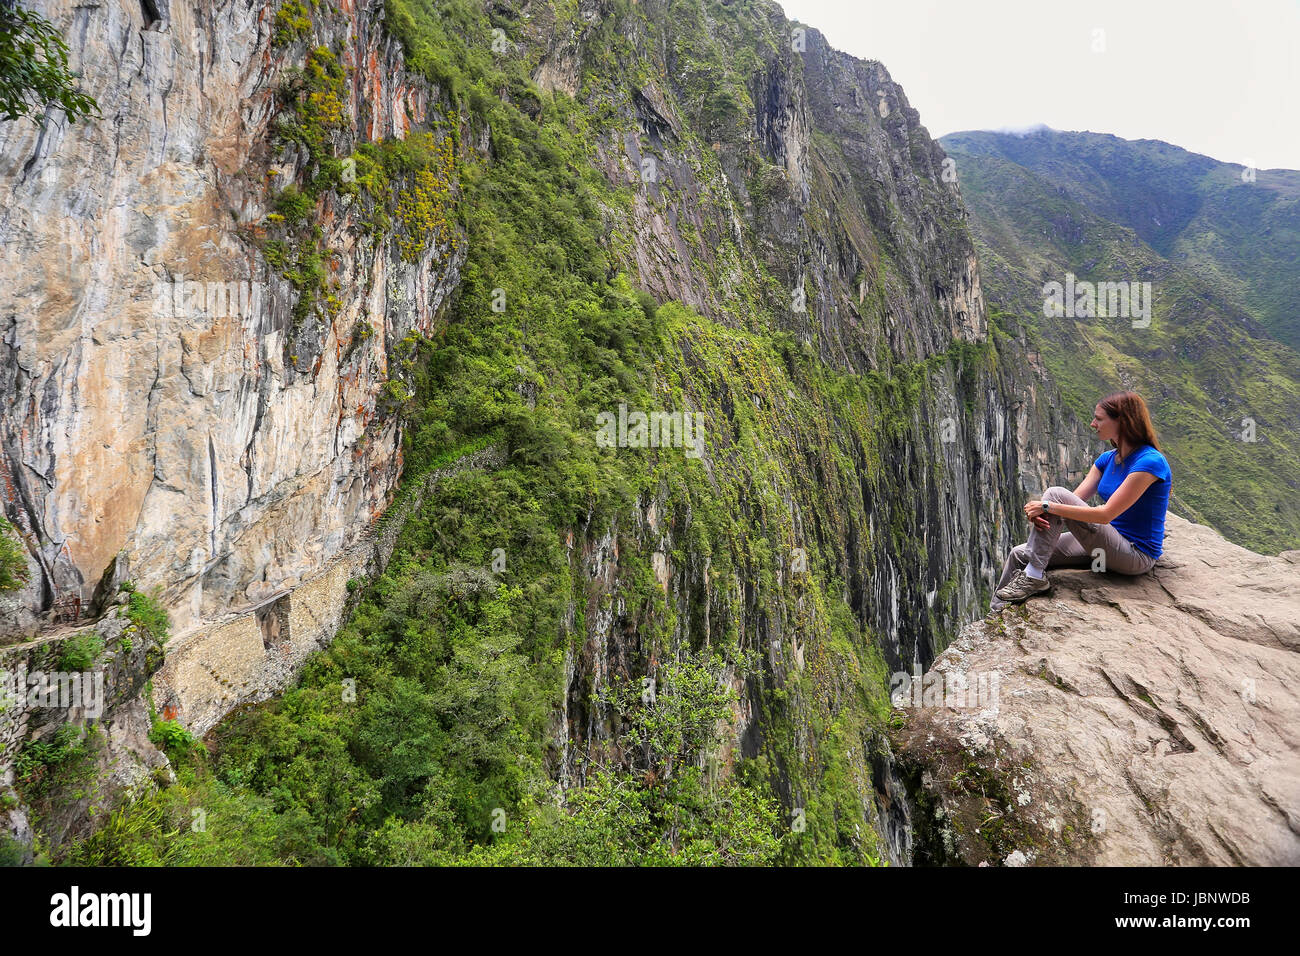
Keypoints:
(1134, 420)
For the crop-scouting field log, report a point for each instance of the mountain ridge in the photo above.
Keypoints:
(1035, 128)
(1173, 199)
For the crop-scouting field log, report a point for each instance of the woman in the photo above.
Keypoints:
(1133, 480)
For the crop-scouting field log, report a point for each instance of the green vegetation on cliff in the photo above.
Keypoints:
(13, 558)
(495, 717)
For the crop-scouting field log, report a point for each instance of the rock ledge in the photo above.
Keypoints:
(1133, 721)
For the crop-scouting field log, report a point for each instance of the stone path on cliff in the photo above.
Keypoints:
(251, 653)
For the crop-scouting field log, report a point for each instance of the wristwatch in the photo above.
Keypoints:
(1044, 504)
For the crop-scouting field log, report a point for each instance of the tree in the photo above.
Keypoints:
(34, 67)
(665, 812)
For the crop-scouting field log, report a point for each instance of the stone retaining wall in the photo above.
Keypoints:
(249, 657)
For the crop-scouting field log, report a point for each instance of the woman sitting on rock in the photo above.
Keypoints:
(1133, 480)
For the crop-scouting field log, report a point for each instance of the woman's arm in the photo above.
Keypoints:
(1128, 492)
(1086, 490)
(1088, 487)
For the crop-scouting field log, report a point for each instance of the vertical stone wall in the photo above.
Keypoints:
(162, 400)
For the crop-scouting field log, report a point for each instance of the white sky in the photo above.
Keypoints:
(1219, 77)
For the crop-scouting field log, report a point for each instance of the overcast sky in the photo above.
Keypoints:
(1219, 77)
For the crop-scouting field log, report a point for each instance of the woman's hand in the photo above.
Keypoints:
(1034, 512)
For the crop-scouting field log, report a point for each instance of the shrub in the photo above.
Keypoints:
(648, 304)
(11, 851)
(171, 737)
(146, 613)
(13, 558)
(46, 765)
(157, 829)
(80, 651)
(293, 205)
(292, 22)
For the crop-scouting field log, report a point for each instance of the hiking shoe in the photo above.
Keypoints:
(1023, 586)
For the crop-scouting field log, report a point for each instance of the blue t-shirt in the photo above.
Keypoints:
(1143, 523)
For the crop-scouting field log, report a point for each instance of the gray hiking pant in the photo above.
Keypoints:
(1055, 547)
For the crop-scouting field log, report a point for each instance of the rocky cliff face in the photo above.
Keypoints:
(43, 694)
(163, 401)
(777, 182)
(870, 432)
(1119, 721)
(813, 197)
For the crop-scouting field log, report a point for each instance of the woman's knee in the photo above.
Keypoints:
(1057, 493)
